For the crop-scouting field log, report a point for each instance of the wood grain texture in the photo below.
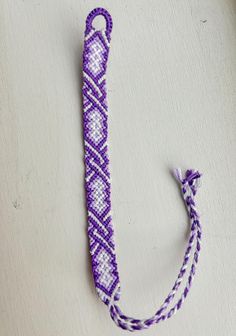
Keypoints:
(172, 98)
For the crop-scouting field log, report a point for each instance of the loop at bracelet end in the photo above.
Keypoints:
(96, 12)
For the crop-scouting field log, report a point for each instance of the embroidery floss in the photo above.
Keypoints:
(98, 188)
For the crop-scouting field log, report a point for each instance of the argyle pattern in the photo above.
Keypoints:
(97, 179)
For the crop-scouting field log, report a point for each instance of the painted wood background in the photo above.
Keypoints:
(172, 100)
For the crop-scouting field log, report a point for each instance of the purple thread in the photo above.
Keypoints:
(97, 179)
(96, 12)
(98, 188)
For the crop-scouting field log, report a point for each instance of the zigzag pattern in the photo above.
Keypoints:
(97, 177)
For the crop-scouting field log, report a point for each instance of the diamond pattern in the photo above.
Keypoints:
(98, 195)
(95, 53)
(95, 124)
(100, 229)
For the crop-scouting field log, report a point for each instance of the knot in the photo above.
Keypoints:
(191, 180)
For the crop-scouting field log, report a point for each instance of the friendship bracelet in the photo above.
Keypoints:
(98, 189)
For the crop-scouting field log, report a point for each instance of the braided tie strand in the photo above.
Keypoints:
(98, 188)
(189, 186)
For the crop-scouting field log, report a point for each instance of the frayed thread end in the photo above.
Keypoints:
(191, 179)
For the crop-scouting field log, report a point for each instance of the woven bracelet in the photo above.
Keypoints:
(98, 189)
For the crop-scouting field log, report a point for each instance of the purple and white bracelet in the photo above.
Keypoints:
(98, 189)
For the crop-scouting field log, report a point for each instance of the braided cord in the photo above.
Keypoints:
(189, 187)
(98, 188)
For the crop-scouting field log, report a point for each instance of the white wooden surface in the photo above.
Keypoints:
(172, 100)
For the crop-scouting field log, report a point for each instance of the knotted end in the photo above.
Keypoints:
(190, 181)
